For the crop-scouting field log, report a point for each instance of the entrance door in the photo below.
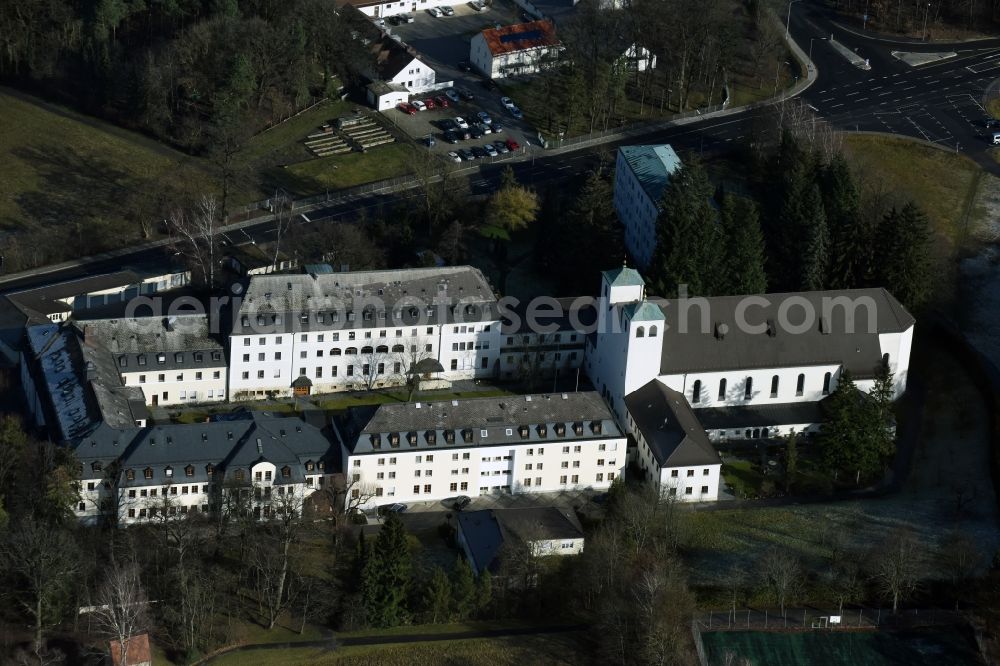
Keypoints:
(156, 399)
(300, 390)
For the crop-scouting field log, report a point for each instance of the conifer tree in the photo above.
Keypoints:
(850, 237)
(903, 255)
(814, 242)
(742, 268)
(385, 579)
(437, 597)
(463, 590)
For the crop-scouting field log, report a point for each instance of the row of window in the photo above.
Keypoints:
(179, 357)
(800, 384)
(198, 376)
(239, 475)
(704, 472)
(368, 314)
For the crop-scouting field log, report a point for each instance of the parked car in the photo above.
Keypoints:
(516, 112)
(406, 107)
(451, 94)
(391, 508)
(450, 136)
(484, 118)
(466, 94)
(435, 12)
(513, 145)
(463, 135)
(477, 5)
(485, 129)
(446, 124)
(406, 18)
(991, 123)
(461, 502)
(479, 152)
(507, 102)
(429, 103)
(465, 65)
(448, 11)
(467, 154)
(418, 105)
(476, 131)
(442, 101)
(490, 150)
(379, 22)
(453, 156)
(461, 123)
(497, 127)
(429, 141)
(501, 147)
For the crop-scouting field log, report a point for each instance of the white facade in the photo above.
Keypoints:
(180, 386)
(489, 57)
(415, 75)
(641, 173)
(384, 9)
(398, 475)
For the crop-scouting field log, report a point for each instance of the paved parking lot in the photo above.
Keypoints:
(442, 43)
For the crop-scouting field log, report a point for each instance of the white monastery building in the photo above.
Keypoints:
(642, 174)
(512, 444)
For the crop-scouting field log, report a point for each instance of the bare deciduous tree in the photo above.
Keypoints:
(895, 570)
(195, 237)
(781, 573)
(121, 606)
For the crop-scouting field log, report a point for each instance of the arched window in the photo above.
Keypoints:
(397, 348)
(748, 433)
(826, 384)
(774, 386)
(382, 349)
(756, 433)
(366, 350)
(722, 389)
(351, 351)
(334, 352)
(696, 391)
(885, 361)
(800, 384)
(640, 332)
(764, 432)
(748, 388)
(652, 331)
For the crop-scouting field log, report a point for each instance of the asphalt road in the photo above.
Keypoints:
(940, 102)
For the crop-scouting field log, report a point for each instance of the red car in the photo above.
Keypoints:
(512, 145)
(429, 103)
(442, 101)
(406, 107)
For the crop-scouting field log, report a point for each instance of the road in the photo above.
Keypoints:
(940, 103)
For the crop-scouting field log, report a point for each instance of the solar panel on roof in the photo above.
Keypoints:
(521, 36)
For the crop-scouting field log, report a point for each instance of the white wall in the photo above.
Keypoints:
(180, 386)
(507, 467)
(702, 480)
(735, 390)
(637, 213)
(415, 77)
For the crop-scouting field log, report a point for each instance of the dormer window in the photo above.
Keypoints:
(141, 359)
(578, 429)
(96, 466)
(560, 430)
(467, 435)
(595, 427)
(376, 441)
(431, 437)
(524, 431)
(286, 472)
(161, 358)
(449, 436)
(543, 430)
(394, 439)
(199, 357)
(411, 438)
(147, 473)
(189, 470)
(178, 357)
(310, 466)
(168, 472)
(122, 362)
(130, 474)
(238, 474)
(209, 470)
(216, 356)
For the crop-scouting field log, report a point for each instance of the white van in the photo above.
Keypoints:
(996, 138)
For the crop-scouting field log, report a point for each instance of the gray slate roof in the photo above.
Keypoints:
(226, 445)
(152, 343)
(700, 349)
(321, 302)
(466, 420)
(563, 314)
(487, 531)
(670, 427)
(49, 299)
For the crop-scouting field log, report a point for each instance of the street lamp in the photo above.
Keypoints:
(926, 12)
(788, 16)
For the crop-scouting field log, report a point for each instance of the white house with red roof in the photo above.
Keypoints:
(522, 48)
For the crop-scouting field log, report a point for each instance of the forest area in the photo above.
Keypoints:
(202, 75)
(938, 19)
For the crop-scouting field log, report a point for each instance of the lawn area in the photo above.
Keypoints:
(943, 183)
(743, 478)
(341, 171)
(283, 143)
(78, 182)
(563, 648)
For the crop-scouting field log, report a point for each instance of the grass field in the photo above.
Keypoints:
(516, 650)
(944, 184)
(843, 648)
(67, 177)
(340, 171)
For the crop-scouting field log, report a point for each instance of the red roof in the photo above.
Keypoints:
(521, 37)
(138, 651)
